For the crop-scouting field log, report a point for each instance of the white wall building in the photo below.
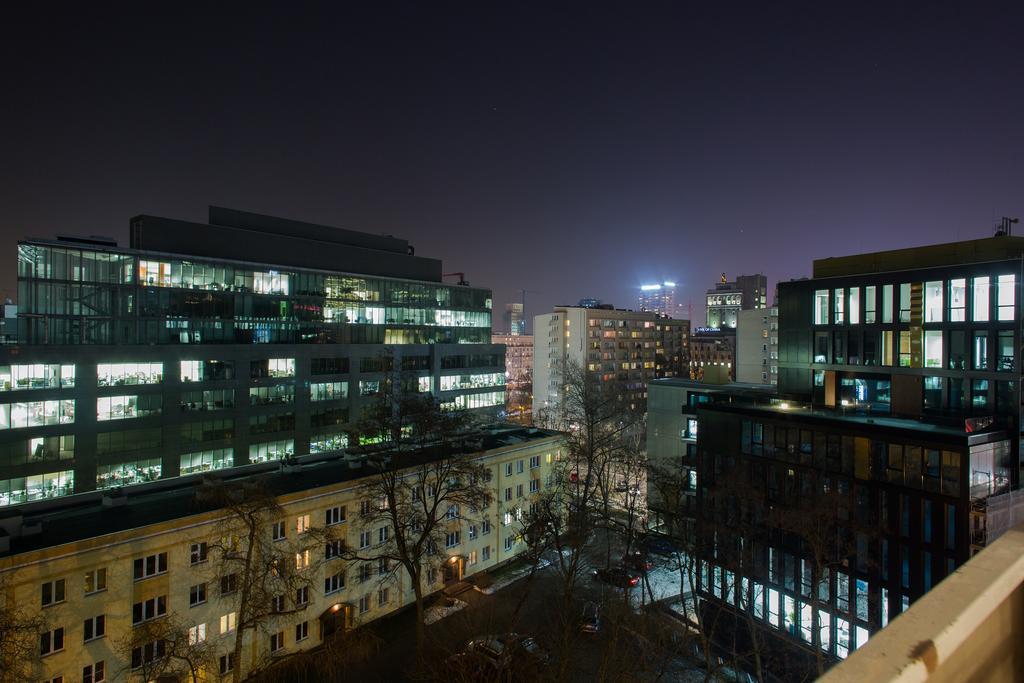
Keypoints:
(757, 346)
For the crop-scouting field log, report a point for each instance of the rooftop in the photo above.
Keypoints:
(951, 253)
(837, 415)
(84, 516)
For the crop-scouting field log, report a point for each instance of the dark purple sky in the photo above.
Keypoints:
(573, 151)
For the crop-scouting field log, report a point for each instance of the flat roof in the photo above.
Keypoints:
(730, 387)
(83, 516)
(983, 250)
(929, 427)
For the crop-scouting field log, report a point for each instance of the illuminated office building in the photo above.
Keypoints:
(207, 346)
(659, 298)
(727, 299)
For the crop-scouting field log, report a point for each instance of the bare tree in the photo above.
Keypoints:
(19, 636)
(426, 482)
(260, 575)
(166, 647)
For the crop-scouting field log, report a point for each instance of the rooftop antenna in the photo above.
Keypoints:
(1005, 227)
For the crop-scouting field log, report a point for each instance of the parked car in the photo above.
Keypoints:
(618, 576)
(508, 650)
(637, 560)
(660, 545)
(591, 621)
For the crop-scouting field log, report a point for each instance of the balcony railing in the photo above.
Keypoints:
(968, 628)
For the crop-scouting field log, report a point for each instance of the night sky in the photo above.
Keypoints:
(572, 151)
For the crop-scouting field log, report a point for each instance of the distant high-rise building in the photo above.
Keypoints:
(515, 323)
(727, 299)
(659, 298)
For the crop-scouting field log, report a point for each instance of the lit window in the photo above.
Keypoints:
(1005, 294)
(957, 300)
(905, 302)
(933, 349)
(933, 302)
(854, 306)
(838, 306)
(887, 303)
(821, 307)
(979, 299)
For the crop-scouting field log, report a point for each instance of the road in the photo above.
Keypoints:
(531, 606)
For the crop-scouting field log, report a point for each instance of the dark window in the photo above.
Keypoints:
(957, 350)
(933, 387)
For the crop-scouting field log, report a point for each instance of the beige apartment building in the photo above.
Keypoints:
(99, 569)
(632, 347)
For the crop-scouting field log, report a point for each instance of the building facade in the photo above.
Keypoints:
(660, 298)
(757, 346)
(820, 513)
(610, 344)
(97, 574)
(672, 347)
(174, 357)
(515, 321)
(712, 351)
(932, 332)
(727, 299)
(518, 376)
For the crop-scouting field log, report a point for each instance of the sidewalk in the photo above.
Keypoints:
(489, 583)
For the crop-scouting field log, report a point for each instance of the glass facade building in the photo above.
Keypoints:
(134, 364)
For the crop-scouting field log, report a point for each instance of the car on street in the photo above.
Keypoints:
(659, 545)
(617, 576)
(508, 650)
(637, 560)
(591, 621)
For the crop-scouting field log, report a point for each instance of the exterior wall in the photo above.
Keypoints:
(712, 349)
(610, 344)
(924, 357)
(913, 520)
(518, 375)
(672, 346)
(25, 572)
(89, 303)
(757, 346)
(304, 426)
(727, 299)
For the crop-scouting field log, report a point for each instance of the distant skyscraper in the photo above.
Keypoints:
(659, 298)
(727, 299)
(515, 323)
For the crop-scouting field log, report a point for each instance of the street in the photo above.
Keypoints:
(531, 606)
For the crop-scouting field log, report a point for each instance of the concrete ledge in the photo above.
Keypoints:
(968, 628)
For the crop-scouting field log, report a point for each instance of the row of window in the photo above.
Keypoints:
(990, 299)
(864, 458)
(952, 349)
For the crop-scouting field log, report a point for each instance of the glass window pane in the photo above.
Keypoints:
(869, 304)
(933, 302)
(855, 305)
(979, 300)
(887, 303)
(821, 307)
(933, 349)
(957, 300)
(1005, 297)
